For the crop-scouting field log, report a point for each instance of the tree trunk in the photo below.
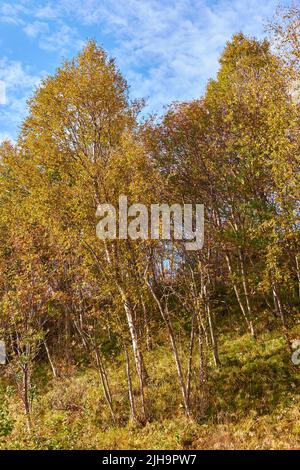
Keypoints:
(137, 354)
(280, 312)
(25, 395)
(138, 358)
(146, 327)
(165, 316)
(190, 361)
(246, 291)
(236, 290)
(130, 392)
(202, 362)
(214, 344)
(54, 372)
(105, 383)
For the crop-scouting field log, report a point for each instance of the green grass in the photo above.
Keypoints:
(252, 401)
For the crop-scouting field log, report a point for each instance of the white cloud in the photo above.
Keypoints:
(15, 75)
(2, 92)
(168, 49)
(10, 13)
(6, 136)
(49, 12)
(19, 84)
(46, 23)
(61, 40)
(36, 28)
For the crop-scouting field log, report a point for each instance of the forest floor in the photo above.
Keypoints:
(251, 402)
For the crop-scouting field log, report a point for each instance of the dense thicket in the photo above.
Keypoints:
(66, 296)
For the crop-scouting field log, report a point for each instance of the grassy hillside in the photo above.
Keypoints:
(251, 402)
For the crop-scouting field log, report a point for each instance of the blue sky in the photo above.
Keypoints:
(166, 49)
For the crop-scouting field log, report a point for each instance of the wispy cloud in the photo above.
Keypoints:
(36, 28)
(60, 40)
(19, 83)
(167, 49)
(48, 12)
(45, 23)
(11, 13)
(2, 92)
